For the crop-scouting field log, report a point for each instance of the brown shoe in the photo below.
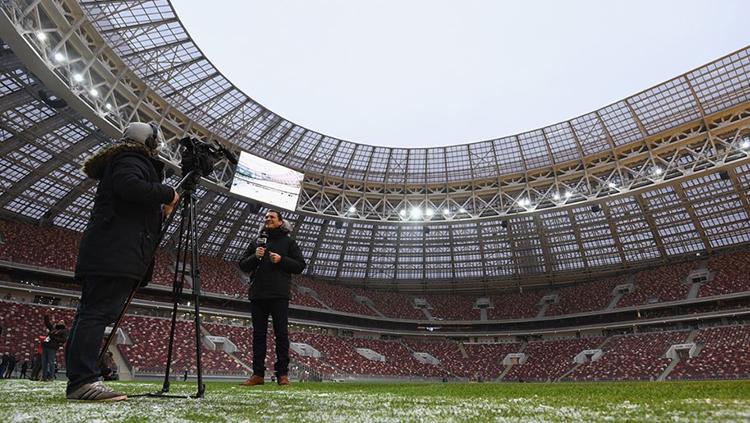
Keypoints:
(253, 380)
(284, 380)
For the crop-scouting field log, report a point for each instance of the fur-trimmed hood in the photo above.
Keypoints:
(94, 166)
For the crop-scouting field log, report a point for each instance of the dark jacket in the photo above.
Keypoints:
(125, 223)
(56, 336)
(271, 280)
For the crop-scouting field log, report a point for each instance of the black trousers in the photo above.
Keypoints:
(102, 299)
(278, 309)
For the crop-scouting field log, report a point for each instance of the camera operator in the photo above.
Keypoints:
(116, 248)
(271, 259)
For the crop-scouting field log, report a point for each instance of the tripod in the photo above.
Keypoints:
(187, 244)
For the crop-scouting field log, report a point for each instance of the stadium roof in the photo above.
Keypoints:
(660, 174)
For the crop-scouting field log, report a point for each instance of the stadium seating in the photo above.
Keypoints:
(452, 306)
(585, 297)
(448, 352)
(515, 305)
(392, 304)
(659, 285)
(23, 324)
(549, 360)
(731, 274)
(486, 360)
(221, 277)
(150, 338)
(337, 297)
(49, 247)
(631, 357)
(242, 337)
(724, 354)
(56, 248)
(301, 299)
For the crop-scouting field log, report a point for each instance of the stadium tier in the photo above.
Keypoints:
(660, 284)
(724, 352)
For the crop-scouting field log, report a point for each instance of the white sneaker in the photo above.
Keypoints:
(96, 391)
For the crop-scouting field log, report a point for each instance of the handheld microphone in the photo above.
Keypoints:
(262, 240)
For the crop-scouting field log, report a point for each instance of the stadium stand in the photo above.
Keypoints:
(486, 360)
(631, 357)
(659, 285)
(337, 297)
(53, 248)
(731, 274)
(549, 360)
(150, 338)
(392, 304)
(515, 305)
(724, 354)
(584, 297)
(452, 306)
(23, 324)
(31, 245)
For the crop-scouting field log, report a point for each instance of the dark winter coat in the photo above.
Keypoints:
(56, 336)
(122, 232)
(271, 280)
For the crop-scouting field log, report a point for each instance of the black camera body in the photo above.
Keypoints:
(201, 157)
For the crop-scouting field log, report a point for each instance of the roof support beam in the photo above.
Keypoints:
(693, 216)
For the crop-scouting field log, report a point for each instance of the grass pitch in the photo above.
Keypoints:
(26, 401)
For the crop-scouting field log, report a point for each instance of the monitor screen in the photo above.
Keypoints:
(261, 180)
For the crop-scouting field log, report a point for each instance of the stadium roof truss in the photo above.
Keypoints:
(660, 174)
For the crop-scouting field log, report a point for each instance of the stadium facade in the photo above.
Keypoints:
(627, 193)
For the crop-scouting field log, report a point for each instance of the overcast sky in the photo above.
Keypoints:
(425, 73)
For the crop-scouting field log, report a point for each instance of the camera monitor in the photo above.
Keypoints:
(267, 182)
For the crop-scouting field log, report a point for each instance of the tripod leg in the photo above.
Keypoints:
(195, 276)
(176, 290)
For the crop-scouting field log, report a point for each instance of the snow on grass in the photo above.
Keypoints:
(26, 401)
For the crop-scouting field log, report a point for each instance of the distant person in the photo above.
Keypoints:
(271, 260)
(4, 364)
(11, 366)
(24, 368)
(36, 359)
(56, 338)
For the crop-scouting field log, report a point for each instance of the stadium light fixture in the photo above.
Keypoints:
(556, 197)
(416, 212)
(77, 77)
(612, 185)
(745, 143)
(568, 194)
(352, 209)
(658, 171)
(108, 106)
(524, 202)
(462, 210)
(94, 92)
(59, 57)
(41, 36)
(402, 213)
(429, 212)
(446, 212)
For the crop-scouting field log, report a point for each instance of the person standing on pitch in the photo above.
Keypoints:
(116, 250)
(271, 260)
